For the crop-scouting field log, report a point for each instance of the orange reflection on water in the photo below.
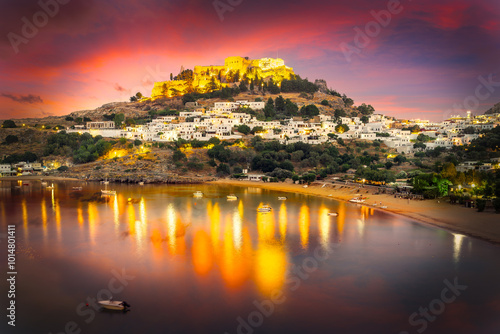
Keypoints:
(25, 217)
(44, 219)
(341, 219)
(324, 225)
(304, 226)
(58, 220)
(214, 215)
(93, 216)
(202, 253)
(131, 219)
(79, 214)
(265, 225)
(270, 267)
(283, 221)
(235, 263)
(116, 213)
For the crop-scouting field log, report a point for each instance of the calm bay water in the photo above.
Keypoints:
(210, 265)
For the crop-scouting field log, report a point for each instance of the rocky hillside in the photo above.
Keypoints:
(494, 110)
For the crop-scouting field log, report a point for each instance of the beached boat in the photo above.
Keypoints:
(198, 194)
(232, 197)
(264, 209)
(113, 304)
(357, 200)
(282, 198)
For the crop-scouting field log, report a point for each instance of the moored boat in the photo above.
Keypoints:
(232, 197)
(108, 192)
(282, 198)
(264, 209)
(113, 304)
(77, 188)
(198, 194)
(333, 214)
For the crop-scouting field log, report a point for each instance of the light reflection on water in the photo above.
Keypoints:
(217, 257)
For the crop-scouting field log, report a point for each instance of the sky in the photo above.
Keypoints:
(409, 59)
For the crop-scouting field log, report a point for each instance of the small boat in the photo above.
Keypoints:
(141, 183)
(77, 188)
(198, 194)
(232, 197)
(108, 192)
(264, 209)
(50, 187)
(105, 182)
(333, 214)
(44, 184)
(113, 304)
(305, 186)
(357, 200)
(282, 198)
(383, 207)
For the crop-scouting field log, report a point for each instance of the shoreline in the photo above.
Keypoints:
(453, 218)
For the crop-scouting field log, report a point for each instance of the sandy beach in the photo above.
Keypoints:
(39, 178)
(455, 218)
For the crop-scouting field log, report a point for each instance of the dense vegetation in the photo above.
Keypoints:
(83, 148)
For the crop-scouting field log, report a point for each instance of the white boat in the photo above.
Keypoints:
(232, 197)
(141, 183)
(44, 184)
(333, 214)
(198, 194)
(113, 304)
(77, 188)
(105, 182)
(108, 192)
(383, 207)
(265, 208)
(50, 187)
(357, 200)
(282, 198)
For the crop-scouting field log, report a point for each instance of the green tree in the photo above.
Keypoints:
(10, 139)
(280, 104)
(419, 145)
(9, 124)
(341, 128)
(118, 119)
(269, 110)
(245, 129)
(365, 119)
(310, 110)
(325, 103)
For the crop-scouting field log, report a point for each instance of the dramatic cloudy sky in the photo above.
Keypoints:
(431, 58)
